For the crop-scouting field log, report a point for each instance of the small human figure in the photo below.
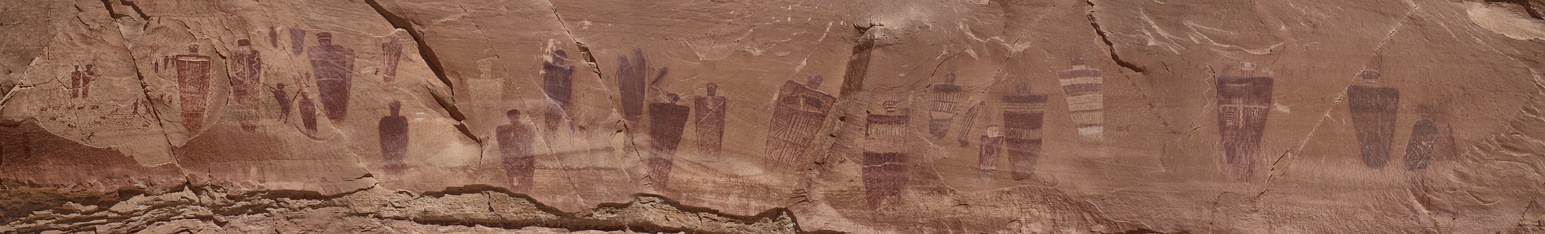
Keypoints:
(394, 139)
(515, 150)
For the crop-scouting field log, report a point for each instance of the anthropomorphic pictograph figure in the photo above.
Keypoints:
(710, 121)
(1023, 115)
(666, 122)
(799, 111)
(519, 163)
(1084, 87)
(193, 86)
(1373, 117)
(333, 67)
(557, 83)
(247, 69)
(885, 158)
(394, 139)
(1244, 100)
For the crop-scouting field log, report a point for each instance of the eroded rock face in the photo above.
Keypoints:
(770, 116)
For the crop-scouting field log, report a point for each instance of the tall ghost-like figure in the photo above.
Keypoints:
(391, 53)
(247, 69)
(710, 121)
(666, 121)
(77, 78)
(799, 110)
(515, 152)
(333, 67)
(632, 83)
(1244, 100)
(193, 86)
(1083, 86)
(557, 83)
(394, 140)
(1373, 117)
(308, 113)
(945, 97)
(1023, 115)
(885, 156)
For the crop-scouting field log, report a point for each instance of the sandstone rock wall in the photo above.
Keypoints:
(771, 116)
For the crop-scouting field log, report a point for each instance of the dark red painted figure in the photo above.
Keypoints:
(247, 67)
(282, 97)
(1373, 116)
(798, 113)
(515, 150)
(1244, 100)
(710, 121)
(391, 53)
(992, 144)
(193, 86)
(666, 121)
(885, 156)
(632, 82)
(1423, 144)
(557, 80)
(297, 40)
(333, 66)
(394, 140)
(945, 97)
(1023, 115)
(308, 113)
(80, 81)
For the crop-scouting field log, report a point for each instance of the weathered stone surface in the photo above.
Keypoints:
(770, 116)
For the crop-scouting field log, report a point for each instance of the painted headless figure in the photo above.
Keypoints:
(1023, 115)
(798, 113)
(947, 97)
(1244, 100)
(297, 40)
(333, 66)
(992, 144)
(632, 80)
(1083, 86)
(515, 142)
(391, 53)
(246, 67)
(394, 139)
(193, 86)
(557, 80)
(710, 121)
(1373, 116)
(885, 156)
(666, 121)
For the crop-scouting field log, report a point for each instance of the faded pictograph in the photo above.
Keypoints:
(193, 86)
(710, 121)
(992, 144)
(515, 141)
(80, 81)
(798, 114)
(394, 139)
(297, 40)
(1083, 86)
(633, 82)
(333, 67)
(308, 113)
(970, 120)
(1427, 138)
(391, 54)
(1023, 114)
(885, 156)
(557, 83)
(944, 99)
(1373, 117)
(1244, 100)
(666, 123)
(247, 69)
(273, 36)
